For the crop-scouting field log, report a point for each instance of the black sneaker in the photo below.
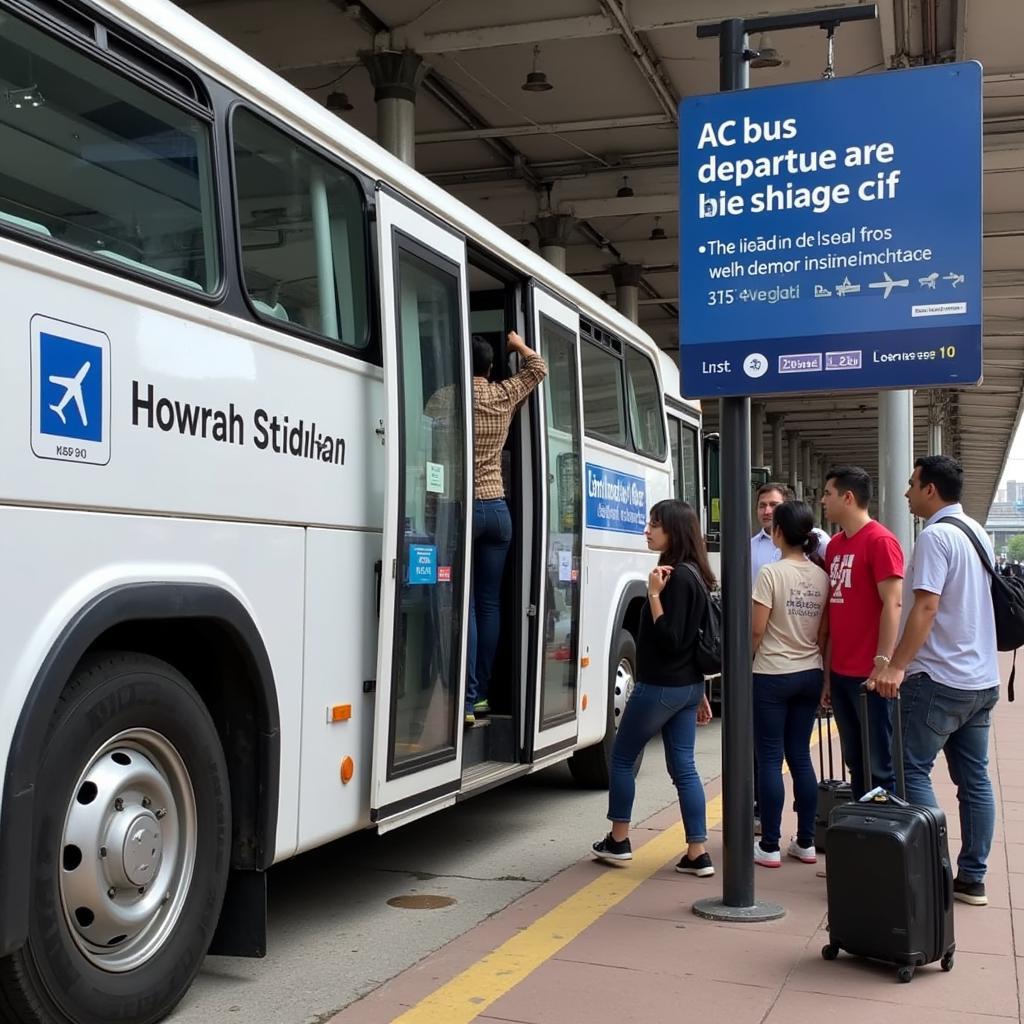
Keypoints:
(612, 851)
(701, 866)
(970, 892)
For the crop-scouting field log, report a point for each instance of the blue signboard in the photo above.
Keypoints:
(615, 501)
(830, 234)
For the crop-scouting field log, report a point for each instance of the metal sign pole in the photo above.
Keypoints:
(737, 902)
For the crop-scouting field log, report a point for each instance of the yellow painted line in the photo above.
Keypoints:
(467, 995)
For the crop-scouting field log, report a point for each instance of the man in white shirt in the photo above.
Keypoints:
(762, 550)
(944, 666)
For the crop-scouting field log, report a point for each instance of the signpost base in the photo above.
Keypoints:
(715, 909)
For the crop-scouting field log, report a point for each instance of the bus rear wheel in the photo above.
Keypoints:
(131, 849)
(591, 767)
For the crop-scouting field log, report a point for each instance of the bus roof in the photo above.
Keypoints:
(178, 32)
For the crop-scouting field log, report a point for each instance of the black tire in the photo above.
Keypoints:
(829, 952)
(591, 767)
(905, 975)
(115, 706)
(947, 962)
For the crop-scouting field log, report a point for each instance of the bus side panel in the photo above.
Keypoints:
(340, 665)
(205, 414)
(613, 560)
(55, 562)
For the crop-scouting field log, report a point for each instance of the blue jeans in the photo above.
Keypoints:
(785, 707)
(937, 717)
(492, 535)
(672, 710)
(846, 708)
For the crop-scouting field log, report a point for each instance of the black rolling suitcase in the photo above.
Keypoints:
(890, 882)
(831, 791)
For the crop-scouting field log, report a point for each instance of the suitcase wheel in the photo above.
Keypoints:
(829, 952)
(946, 963)
(905, 974)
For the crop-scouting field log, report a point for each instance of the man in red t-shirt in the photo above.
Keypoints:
(865, 566)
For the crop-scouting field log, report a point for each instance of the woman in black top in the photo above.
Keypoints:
(669, 695)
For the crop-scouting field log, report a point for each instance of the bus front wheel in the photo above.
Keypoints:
(591, 767)
(131, 849)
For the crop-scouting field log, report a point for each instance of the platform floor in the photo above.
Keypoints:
(600, 944)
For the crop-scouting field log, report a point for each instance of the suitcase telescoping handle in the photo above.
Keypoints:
(865, 743)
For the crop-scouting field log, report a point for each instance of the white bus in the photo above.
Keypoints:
(236, 538)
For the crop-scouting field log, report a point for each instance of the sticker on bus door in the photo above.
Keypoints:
(70, 392)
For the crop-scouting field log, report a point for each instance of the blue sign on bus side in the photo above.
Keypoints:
(830, 234)
(615, 501)
(422, 564)
(71, 388)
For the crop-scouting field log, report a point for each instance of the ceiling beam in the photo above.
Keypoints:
(557, 29)
(557, 128)
(645, 61)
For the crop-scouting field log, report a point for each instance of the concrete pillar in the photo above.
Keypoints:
(396, 75)
(627, 289)
(806, 477)
(757, 415)
(895, 463)
(553, 231)
(794, 462)
(775, 420)
(935, 438)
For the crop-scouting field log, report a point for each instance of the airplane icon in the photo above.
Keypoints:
(72, 390)
(888, 284)
(846, 288)
(929, 281)
(955, 279)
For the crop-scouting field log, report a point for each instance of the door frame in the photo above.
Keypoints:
(397, 797)
(545, 741)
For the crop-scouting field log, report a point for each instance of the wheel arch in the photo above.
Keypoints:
(627, 617)
(154, 618)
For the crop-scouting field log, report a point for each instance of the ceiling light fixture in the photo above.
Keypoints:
(625, 190)
(766, 55)
(658, 232)
(26, 98)
(337, 102)
(536, 81)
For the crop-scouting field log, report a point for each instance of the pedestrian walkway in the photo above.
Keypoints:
(605, 944)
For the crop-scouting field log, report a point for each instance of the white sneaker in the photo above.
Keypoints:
(765, 858)
(806, 854)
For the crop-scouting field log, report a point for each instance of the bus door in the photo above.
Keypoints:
(417, 742)
(557, 656)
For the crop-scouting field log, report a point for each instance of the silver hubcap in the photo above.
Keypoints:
(128, 850)
(624, 683)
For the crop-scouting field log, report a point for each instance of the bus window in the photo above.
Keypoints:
(646, 414)
(303, 234)
(712, 491)
(93, 161)
(604, 407)
(683, 440)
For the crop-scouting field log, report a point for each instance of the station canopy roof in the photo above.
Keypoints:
(617, 70)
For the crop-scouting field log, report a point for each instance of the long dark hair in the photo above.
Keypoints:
(686, 544)
(796, 521)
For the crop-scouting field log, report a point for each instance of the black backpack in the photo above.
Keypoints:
(1007, 601)
(709, 632)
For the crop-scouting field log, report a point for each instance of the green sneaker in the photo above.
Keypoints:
(482, 707)
(470, 718)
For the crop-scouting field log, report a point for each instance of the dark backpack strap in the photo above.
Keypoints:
(1013, 674)
(982, 553)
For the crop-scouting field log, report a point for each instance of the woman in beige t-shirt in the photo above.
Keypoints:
(790, 618)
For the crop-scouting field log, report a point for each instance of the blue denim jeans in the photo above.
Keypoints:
(785, 707)
(937, 717)
(492, 535)
(846, 708)
(671, 710)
